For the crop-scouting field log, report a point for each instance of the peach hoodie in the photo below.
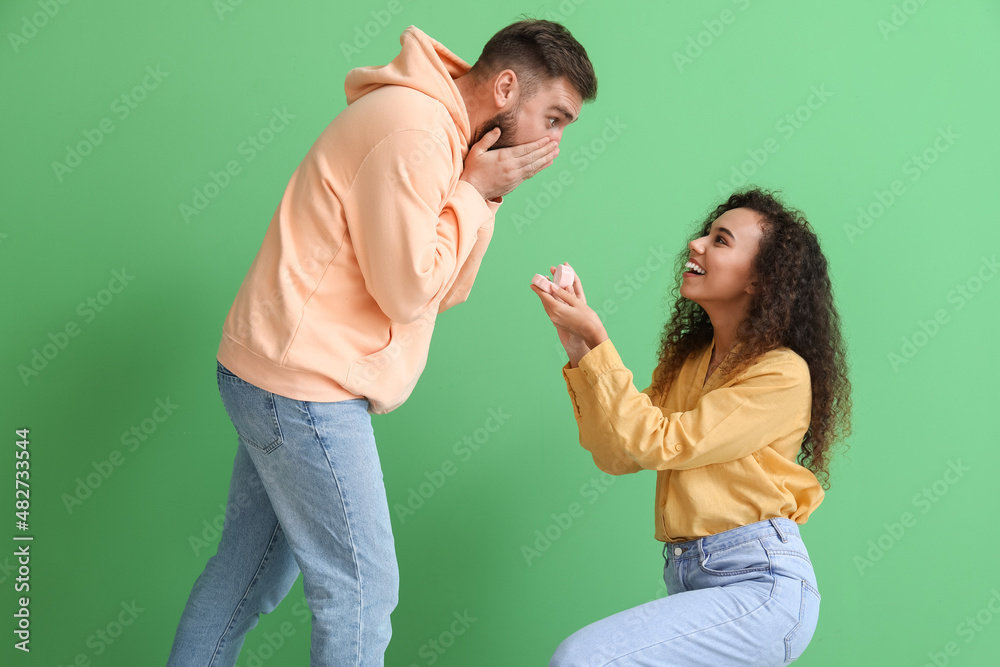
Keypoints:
(374, 236)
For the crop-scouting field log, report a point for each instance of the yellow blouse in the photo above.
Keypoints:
(724, 450)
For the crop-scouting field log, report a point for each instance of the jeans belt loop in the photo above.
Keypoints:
(777, 529)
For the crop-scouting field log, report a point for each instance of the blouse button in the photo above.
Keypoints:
(677, 447)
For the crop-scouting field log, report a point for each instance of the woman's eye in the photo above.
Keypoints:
(720, 239)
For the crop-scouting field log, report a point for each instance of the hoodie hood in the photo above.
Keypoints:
(423, 64)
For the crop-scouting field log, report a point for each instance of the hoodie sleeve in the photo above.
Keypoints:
(412, 229)
(462, 286)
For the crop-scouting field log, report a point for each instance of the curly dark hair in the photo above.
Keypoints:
(792, 306)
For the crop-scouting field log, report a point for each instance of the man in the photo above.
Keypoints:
(382, 227)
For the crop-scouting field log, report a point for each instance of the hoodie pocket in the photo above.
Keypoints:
(369, 371)
(398, 364)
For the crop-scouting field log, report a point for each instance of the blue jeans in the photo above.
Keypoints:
(746, 596)
(306, 495)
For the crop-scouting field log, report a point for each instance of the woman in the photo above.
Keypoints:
(749, 396)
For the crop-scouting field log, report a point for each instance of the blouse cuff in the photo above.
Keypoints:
(599, 361)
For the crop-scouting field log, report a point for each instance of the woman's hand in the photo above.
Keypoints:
(578, 326)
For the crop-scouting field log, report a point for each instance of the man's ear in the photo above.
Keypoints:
(505, 89)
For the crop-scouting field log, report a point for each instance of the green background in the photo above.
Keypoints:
(903, 549)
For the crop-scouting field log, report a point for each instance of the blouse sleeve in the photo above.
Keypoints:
(626, 432)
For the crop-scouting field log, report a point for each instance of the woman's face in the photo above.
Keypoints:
(720, 279)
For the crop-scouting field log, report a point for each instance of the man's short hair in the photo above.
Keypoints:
(538, 50)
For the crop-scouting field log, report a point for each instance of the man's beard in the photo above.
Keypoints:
(507, 122)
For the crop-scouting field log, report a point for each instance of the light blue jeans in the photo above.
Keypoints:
(745, 596)
(306, 495)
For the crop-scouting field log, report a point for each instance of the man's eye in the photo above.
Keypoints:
(553, 121)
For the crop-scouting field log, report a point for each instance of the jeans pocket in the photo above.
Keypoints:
(222, 370)
(251, 410)
(745, 558)
(799, 637)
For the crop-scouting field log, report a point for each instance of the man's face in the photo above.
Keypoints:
(553, 105)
